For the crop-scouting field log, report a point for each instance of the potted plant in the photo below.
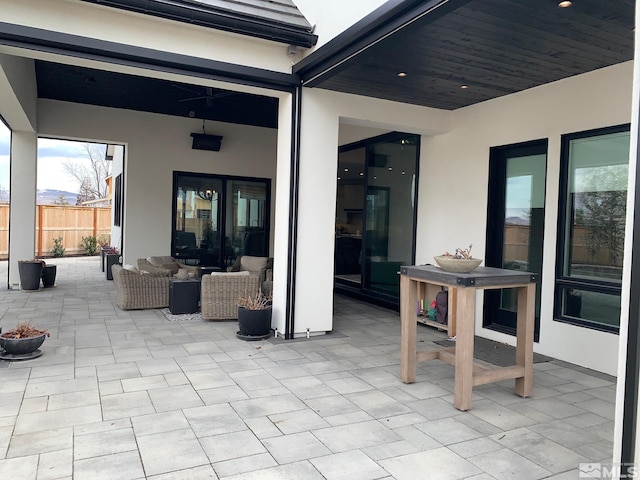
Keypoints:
(573, 303)
(22, 342)
(30, 273)
(254, 316)
(459, 262)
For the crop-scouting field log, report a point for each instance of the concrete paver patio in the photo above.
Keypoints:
(131, 395)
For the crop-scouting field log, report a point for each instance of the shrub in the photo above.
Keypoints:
(58, 249)
(90, 245)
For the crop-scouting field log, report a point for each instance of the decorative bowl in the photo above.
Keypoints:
(457, 265)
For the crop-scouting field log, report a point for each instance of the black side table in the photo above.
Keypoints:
(112, 259)
(208, 270)
(49, 275)
(184, 296)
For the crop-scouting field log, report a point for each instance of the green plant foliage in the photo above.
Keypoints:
(58, 248)
(90, 245)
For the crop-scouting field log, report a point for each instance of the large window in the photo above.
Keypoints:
(218, 218)
(593, 196)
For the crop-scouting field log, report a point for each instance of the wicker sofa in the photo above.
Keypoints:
(137, 290)
(166, 265)
(219, 293)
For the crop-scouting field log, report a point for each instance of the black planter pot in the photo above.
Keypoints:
(21, 348)
(254, 324)
(30, 274)
(49, 275)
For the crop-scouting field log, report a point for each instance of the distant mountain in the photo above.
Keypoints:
(516, 221)
(49, 197)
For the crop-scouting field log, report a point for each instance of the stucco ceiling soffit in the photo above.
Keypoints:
(18, 92)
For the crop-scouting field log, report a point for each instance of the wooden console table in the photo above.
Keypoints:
(462, 305)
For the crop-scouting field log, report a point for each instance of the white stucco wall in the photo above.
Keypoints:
(117, 168)
(156, 145)
(454, 179)
(322, 114)
(116, 25)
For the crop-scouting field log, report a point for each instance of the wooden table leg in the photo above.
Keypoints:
(408, 328)
(451, 308)
(465, 317)
(524, 338)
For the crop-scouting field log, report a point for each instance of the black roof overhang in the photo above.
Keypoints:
(116, 53)
(220, 20)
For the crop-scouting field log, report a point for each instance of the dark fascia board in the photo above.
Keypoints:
(218, 19)
(117, 53)
(382, 22)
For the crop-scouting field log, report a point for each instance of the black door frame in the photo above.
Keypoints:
(496, 208)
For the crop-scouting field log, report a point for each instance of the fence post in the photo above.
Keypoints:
(95, 222)
(40, 232)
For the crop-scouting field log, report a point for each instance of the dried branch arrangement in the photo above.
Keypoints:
(25, 330)
(459, 253)
(254, 302)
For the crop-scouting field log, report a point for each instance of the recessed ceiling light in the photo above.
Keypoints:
(402, 74)
(464, 87)
(565, 4)
(390, 168)
(361, 174)
(403, 172)
(346, 169)
(339, 178)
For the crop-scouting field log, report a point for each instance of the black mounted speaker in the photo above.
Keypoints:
(202, 141)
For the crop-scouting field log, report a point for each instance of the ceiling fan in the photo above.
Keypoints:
(209, 94)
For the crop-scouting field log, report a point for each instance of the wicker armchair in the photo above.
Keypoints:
(165, 265)
(135, 290)
(219, 294)
(258, 265)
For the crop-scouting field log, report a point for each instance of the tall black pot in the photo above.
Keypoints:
(30, 274)
(254, 324)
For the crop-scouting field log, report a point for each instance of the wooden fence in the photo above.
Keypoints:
(69, 222)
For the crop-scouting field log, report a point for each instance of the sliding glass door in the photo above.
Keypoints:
(375, 215)
(515, 226)
(218, 218)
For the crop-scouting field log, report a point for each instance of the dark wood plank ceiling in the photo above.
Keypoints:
(109, 89)
(495, 47)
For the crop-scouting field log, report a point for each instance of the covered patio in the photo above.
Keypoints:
(131, 395)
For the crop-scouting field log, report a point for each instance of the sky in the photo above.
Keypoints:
(51, 157)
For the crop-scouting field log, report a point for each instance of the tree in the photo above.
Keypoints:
(60, 200)
(90, 174)
(601, 209)
(4, 194)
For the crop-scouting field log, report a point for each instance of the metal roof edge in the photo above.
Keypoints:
(221, 20)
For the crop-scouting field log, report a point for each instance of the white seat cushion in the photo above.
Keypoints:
(252, 264)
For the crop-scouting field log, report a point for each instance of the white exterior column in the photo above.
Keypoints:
(281, 213)
(626, 299)
(316, 215)
(22, 218)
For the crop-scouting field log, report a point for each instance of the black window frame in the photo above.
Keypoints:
(226, 180)
(563, 282)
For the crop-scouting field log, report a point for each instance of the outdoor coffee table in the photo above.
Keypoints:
(462, 304)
